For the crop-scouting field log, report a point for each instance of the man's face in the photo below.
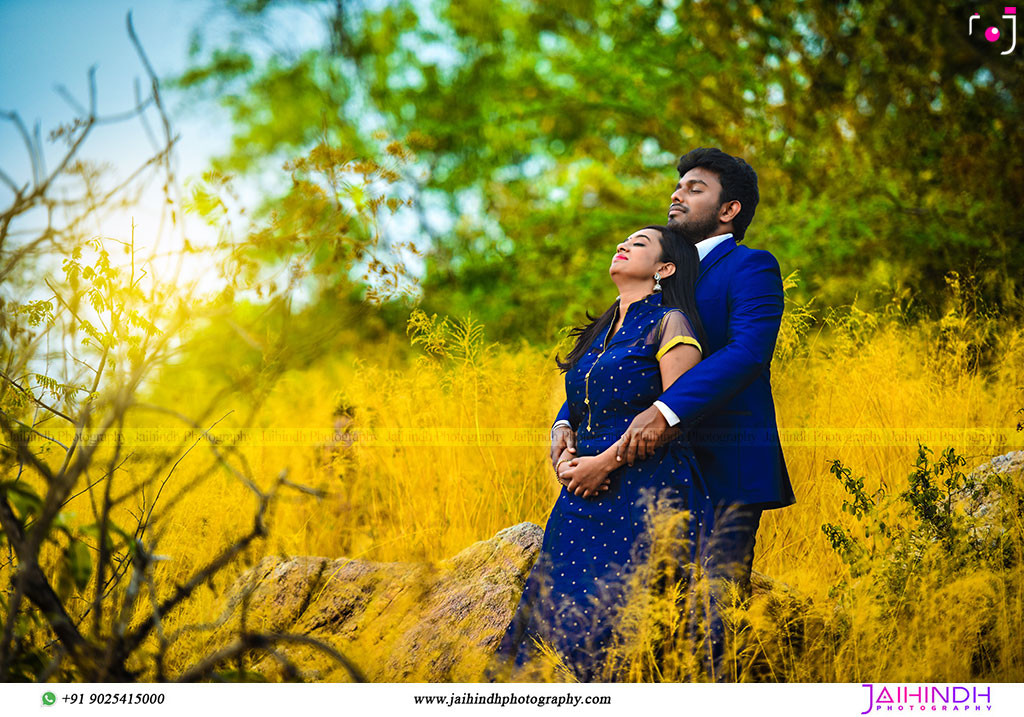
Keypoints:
(695, 205)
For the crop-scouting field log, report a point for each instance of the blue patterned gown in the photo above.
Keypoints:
(589, 542)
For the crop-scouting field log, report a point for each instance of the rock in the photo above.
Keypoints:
(1006, 463)
(417, 622)
(411, 621)
(991, 508)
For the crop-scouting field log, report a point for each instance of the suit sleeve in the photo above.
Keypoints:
(755, 314)
(563, 415)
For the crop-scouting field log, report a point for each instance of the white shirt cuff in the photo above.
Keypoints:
(667, 412)
(563, 422)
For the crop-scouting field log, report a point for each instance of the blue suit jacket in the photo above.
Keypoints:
(725, 401)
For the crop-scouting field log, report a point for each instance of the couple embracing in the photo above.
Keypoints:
(668, 395)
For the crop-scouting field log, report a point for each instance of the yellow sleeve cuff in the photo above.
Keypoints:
(673, 342)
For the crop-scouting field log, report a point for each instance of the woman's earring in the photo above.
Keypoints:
(657, 281)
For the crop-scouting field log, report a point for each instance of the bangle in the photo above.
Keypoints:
(564, 460)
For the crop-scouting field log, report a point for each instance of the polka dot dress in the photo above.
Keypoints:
(590, 543)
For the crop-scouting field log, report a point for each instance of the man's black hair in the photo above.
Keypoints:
(738, 179)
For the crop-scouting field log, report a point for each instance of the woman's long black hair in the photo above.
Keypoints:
(677, 291)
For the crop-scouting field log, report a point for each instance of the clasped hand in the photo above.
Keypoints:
(585, 476)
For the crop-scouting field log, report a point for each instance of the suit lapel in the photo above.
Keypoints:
(723, 248)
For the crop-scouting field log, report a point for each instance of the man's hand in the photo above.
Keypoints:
(563, 438)
(647, 431)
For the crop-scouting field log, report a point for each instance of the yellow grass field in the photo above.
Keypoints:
(862, 389)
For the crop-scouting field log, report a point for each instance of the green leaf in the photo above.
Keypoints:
(24, 499)
(79, 559)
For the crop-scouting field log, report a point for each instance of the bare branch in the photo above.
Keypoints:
(291, 671)
(51, 669)
(33, 429)
(15, 118)
(21, 449)
(13, 607)
(10, 183)
(213, 443)
(104, 527)
(39, 147)
(135, 638)
(38, 590)
(257, 641)
(154, 82)
(70, 99)
(35, 400)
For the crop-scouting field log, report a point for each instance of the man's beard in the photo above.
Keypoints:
(695, 229)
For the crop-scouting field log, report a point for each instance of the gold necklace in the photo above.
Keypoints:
(586, 379)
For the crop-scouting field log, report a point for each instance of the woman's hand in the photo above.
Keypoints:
(585, 476)
(561, 462)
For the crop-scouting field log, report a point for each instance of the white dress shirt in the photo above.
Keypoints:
(704, 248)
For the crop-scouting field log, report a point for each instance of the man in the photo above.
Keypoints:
(725, 401)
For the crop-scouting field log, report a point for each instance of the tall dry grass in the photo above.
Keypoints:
(411, 495)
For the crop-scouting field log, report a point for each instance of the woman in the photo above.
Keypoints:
(621, 363)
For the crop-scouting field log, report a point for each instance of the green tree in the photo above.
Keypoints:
(543, 132)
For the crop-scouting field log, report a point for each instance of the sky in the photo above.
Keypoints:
(46, 43)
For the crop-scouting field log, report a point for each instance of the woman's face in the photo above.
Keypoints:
(638, 257)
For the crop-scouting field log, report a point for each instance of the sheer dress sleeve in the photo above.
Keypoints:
(673, 330)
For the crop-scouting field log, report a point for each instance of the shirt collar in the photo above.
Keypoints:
(705, 246)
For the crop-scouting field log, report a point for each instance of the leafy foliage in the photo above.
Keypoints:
(544, 131)
(944, 516)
